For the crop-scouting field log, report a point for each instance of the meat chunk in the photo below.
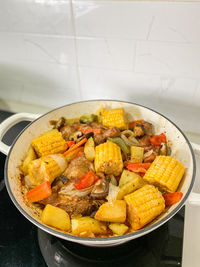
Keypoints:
(106, 133)
(78, 167)
(147, 128)
(75, 206)
(144, 141)
(139, 130)
(111, 132)
(150, 153)
(67, 130)
(142, 128)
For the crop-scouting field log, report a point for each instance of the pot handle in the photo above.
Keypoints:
(11, 121)
(194, 198)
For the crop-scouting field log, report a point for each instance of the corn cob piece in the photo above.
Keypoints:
(108, 158)
(144, 205)
(46, 168)
(50, 142)
(165, 172)
(114, 118)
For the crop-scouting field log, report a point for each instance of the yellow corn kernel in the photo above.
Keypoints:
(114, 118)
(46, 168)
(108, 158)
(56, 217)
(165, 172)
(50, 142)
(144, 205)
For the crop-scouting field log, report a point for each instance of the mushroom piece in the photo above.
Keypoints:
(164, 150)
(100, 189)
(60, 123)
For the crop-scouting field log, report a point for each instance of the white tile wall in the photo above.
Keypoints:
(36, 16)
(54, 52)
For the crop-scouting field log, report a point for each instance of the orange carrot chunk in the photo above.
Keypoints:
(86, 181)
(172, 198)
(90, 130)
(156, 140)
(70, 143)
(138, 167)
(39, 192)
(83, 141)
(133, 123)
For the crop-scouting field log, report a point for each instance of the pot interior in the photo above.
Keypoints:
(179, 146)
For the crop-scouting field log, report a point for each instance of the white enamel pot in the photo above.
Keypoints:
(181, 149)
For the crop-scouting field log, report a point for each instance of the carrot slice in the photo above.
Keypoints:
(70, 143)
(86, 181)
(90, 130)
(83, 141)
(172, 198)
(138, 167)
(39, 192)
(156, 140)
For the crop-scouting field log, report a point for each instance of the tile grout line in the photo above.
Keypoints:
(76, 48)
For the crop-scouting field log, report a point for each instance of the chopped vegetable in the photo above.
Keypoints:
(144, 205)
(128, 176)
(172, 198)
(118, 228)
(138, 167)
(137, 154)
(114, 118)
(87, 225)
(40, 192)
(89, 149)
(112, 212)
(118, 141)
(50, 142)
(86, 181)
(70, 143)
(89, 119)
(108, 158)
(90, 130)
(113, 192)
(29, 157)
(83, 141)
(165, 172)
(46, 168)
(157, 140)
(56, 217)
(133, 123)
(73, 154)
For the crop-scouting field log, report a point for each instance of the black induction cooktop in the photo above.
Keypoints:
(22, 244)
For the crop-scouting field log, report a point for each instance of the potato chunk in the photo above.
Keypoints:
(87, 225)
(118, 228)
(112, 212)
(29, 157)
(56, 217)
(89, 149)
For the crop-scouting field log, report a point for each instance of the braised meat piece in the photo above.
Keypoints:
(138, 130)
(144, 141)
(77, 168)
(67, 130)
(75, 205)
(109, 132)
(147, 128)
(150, 153)
(142, 128)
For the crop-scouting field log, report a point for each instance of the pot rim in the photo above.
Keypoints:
(100, 240)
